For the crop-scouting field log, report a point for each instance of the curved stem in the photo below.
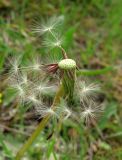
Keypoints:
(63, 52)
(41, 125)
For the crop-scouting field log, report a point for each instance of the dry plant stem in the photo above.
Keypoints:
(63, 52)
(13, 130)
(41, 125)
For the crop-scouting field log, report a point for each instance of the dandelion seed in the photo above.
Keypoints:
(48, 26)
(91, 111)
(15, 63)
(58, 43)
(43, 111)
(43, 88)
(24, 79)
(34, 100)
(20, 91)
(63, 111)
(67, 113)
(41, 29)
(88, 91)
(52, 43)
(19, 79)
(34, 66)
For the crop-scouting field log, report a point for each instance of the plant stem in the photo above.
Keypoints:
(68, 83)
(95, 72)
(41, 125)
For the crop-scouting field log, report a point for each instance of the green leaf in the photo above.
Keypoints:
(7, 152)
(69, 37)
(110, 110)
(104, 145)
(50, 147)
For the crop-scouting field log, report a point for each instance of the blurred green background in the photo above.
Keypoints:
(93, 37)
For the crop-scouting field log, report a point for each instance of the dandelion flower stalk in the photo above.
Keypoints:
(68, 67)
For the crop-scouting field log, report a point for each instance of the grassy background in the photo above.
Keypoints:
(93, 38)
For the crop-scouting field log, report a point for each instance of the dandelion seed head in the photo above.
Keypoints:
(67, 64)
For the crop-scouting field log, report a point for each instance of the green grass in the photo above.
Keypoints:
(92, 32)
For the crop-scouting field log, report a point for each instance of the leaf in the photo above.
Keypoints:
(69, 38)
(7, 152)
(9, 96)
(104, 145)
(50, 147)
(110, 110)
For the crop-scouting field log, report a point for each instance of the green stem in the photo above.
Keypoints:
(41, 125)
(68, 83)
(95, 72)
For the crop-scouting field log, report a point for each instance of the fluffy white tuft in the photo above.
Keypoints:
(91, 111)
(63, 110)
(89, 91)
(48, 26)
(43, 111)
(53, 43)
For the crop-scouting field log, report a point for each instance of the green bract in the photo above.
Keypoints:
(67, 64)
